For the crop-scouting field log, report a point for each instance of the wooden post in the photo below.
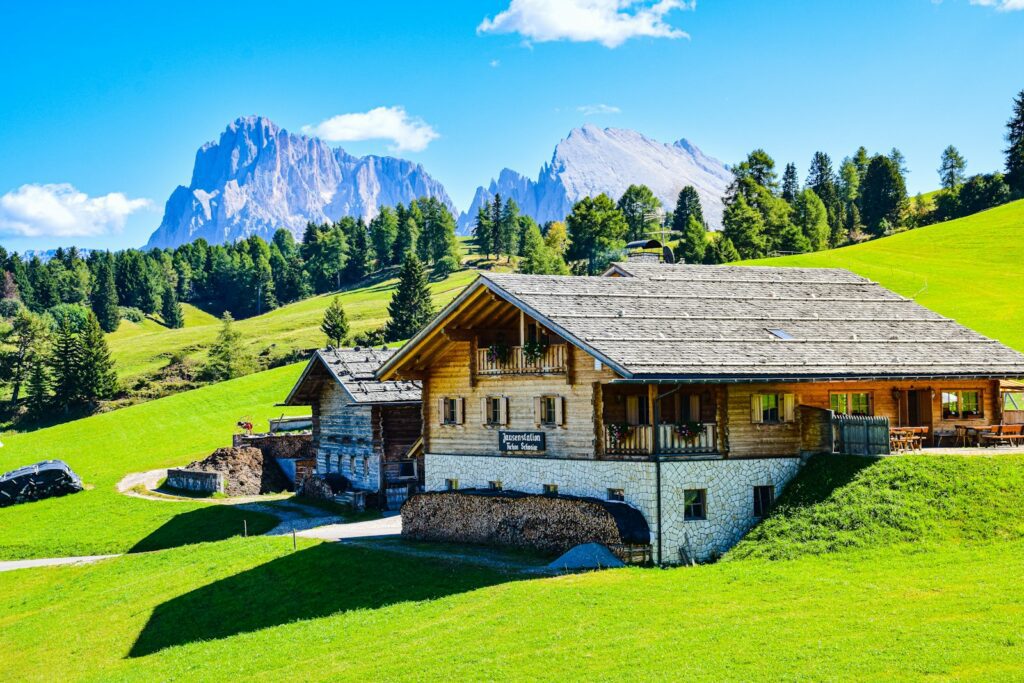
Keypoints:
(425, 408)
(522, 328)
(722, 418)
(570, 364)
(473, 369)
(652, 406)
(598, 420)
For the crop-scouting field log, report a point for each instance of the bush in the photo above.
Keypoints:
(445, 267)
(76, 314)
(131, 314)
(9, 308)
(370, 338)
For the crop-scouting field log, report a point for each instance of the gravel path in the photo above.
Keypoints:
(51, 562)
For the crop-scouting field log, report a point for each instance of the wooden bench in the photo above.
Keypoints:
(1002, 434)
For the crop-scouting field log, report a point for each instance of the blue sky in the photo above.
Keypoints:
(113, 99)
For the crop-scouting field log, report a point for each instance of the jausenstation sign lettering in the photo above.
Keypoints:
(521, 442)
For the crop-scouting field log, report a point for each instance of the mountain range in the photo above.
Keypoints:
(258, 177)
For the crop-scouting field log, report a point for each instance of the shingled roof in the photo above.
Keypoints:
(353, 369)
(733, 323)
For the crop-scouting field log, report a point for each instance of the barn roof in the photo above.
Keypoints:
(735, 323)
(353, 369)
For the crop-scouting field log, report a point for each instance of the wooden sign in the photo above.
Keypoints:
(521, 442)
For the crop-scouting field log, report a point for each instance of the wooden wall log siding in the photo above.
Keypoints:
(449, 376)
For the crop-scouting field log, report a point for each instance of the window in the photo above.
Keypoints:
(494, 485)
(451, 484)
(494, 410)
(548, 410)
(616, 494)
(780, 334)
(695, 504)
(853, 403)
(1013, 400)
(550, 489)
(637, 410)
(772, 408)
(366, 466)
(965, 404)
(451, 410)
(764, 498)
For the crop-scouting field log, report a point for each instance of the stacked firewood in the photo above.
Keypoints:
(549, 524)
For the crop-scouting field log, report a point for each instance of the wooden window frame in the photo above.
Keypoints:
(452, 411)
(979, 414)
(760, 509)
(849, 401)
(495, 485)
(785, 408)
(550, 489)
(549, 410)
(695, 510)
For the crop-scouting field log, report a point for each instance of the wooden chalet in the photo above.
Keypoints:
(366, 432)
(689, 391)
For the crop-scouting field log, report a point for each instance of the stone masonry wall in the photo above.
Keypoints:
(729, 484)
(195, 480)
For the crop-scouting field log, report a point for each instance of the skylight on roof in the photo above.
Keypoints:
(781, 334)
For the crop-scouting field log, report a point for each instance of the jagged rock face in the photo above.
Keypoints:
(258, 177)
(593, 160)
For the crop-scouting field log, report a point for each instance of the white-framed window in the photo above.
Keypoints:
(548, 410)
(772, 408)
(695, 504)
(451, 410)
(961, 403)
(852, 403)
(494, 410)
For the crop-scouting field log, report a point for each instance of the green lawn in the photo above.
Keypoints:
(143, 349)
(968, 269)
(103, 448)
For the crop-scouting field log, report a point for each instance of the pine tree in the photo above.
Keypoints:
(64, 363)
(508, 224)
(24, 343)
(687, 207)
(171, 311)
(693, 244)
(96, 378)
(335, 324)
(104, 296)
(537, 257)
(383, 231)
(1015, 149)
(228, 358)
(721, 251)
(811, 217)
(744, 227)
(37, 390)
(640, 208)
(410, 308)
(597, 230)
(483, 230)
(951, 169)
(790, 183)
(360, 257)
(405, 240)
(883, 195)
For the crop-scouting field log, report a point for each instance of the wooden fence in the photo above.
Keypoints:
(861, 435)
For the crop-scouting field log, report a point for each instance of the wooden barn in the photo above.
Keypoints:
(689, 392)
(365, 430)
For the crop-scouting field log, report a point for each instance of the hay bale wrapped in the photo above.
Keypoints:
(546, 523)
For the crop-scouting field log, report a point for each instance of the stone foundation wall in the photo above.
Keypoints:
(195, 480)
(728, 482)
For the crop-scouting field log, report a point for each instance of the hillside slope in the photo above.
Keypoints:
(969, 269)
(846, 502)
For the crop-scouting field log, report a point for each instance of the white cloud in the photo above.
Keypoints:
(60, 210)
(494, 63)
(1001, 5)
(609, 22)
(408, 133)
(592, 109)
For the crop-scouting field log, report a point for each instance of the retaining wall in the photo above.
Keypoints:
(195, 480)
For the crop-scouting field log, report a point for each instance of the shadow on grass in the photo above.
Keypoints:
(316, 582)
(820, 477)
(212, 523)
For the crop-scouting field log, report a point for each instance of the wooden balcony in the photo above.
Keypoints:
(640, 440)
(552, 361)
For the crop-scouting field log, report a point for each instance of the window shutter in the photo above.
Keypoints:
(694, 408)
(633, 410)
(559, 410)
(756, 416)
(440, 411)
(789, 407)
(707, 407)
(537, 408)
(484, 412)
(460, 410)
(503, 410)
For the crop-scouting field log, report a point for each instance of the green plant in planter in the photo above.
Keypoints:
(498, 352)
(533, 351)
(687, 431)
(619, 431)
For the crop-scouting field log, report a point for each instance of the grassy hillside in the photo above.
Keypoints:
(253, 608)
(839, 503)
(968, 269)
(103, 448)
(143, 349)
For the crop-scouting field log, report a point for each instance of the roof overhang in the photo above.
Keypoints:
(764, 379)
(393, 365)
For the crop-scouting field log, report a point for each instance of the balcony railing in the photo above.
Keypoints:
(551, 361)
(670, 440)
(639, 440)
